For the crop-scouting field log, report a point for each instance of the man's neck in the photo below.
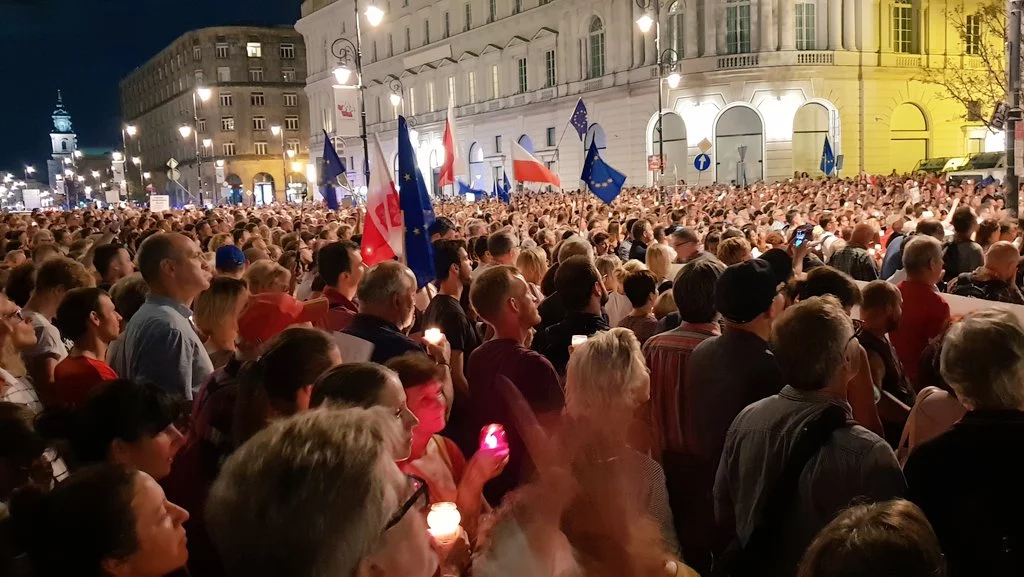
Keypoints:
(44, 303)
(451, 286)
(642, 311)
(511, 329)
(172, 293)
(593, 308)
(760, 327)
(90, 346)
(347, 292)
(957, 237)
(383, 315)
(878, 331)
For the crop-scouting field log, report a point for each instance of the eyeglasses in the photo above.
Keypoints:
(16, 314)
(419, 499)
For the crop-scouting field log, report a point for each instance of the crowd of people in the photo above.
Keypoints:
(711, 380)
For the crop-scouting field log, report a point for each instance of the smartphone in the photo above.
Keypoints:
(801, 236)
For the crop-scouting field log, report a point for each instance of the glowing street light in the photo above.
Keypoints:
(118, 157)
(342, 74)
(396, 99)
(291, 153)
(275, 130)
(645, 22)
(131, 130)
(136, 160)
(78, 154)
(146, 175)
(673, 80)
(374, 15)
(67, 172)
(207, 142)
(95, 174)
(30, 169)
(203, 93)
(185, 130)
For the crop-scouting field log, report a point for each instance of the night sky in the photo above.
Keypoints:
(85, 47)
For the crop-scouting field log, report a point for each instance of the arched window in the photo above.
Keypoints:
(596, 42)
(63, 145)
(527, 143)
(675, 27)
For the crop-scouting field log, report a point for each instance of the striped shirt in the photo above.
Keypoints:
(666, 355)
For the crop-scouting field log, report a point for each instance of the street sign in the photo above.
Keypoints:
(172, 164)
(174, 174)
(159, 202)
(702, 162)
(653, 163)
(704, 145)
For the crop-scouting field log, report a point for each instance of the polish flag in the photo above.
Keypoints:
(526, 168)
(382, 232)
(454, 165)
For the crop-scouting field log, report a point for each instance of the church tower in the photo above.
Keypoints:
(63, 143)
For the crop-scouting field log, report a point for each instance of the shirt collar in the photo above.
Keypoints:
(161, 300)
(712, 328)
(375, 322)
(815, 397)
(337, 299)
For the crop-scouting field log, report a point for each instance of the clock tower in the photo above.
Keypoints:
(63, 144)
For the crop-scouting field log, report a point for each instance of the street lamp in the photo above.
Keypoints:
(185, 130)
(667, 59)
(95, 174)
(202, 94)
(29, 170)
(345, 51)
(396, 88)
(277, 131)
(129, 131)
(146, 175)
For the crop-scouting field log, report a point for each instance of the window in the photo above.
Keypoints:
(426, 32)
(391, 45)
(471, 83)
(227, 124)
(543, 2)
(805, 26)
(974, 111)
(497, 143)
(254, 50)
(521, 75)
(737, 26)
(408, 40)
(226, 99)
(222, 50)
(257, 99)
(903, 27)
(469, 17)
(430, 97)
(972, 34)
(287, 51)
(292, 144)
(288, 74)
(255, 75)
(412, 101)
(223, 74)
(495, 85)
(199, 77)
(596, 41)
(492, 10)
(447, 31)
(551, 136)
(675, 27)
(291, 122)
(260, 148)
(197, 53)
(291, 99)
(202, 125)
(451, 91)
(227, 149)
(259, 122)
(550, 73)
(517, 6)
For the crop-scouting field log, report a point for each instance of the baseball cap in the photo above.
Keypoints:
(746, 290)
(267, 314)
(229, 257)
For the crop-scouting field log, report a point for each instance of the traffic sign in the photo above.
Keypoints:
(654, 162)
(173, 174)
(172, 164)
(702, 162)
(704, 145)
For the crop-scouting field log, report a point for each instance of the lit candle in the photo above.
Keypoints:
(578, 340)
(443, 522)
(492, 438)
(432, 336)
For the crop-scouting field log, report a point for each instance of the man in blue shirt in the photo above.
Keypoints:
(160, 342)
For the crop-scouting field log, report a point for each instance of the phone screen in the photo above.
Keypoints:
(801, 236)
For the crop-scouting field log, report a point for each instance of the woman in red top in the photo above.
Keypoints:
(86, 317)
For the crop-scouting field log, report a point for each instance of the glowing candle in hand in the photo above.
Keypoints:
(578, 340)
(432, 336)
(492, 438)
(443, 521)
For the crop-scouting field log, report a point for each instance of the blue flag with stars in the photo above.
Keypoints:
(465, 189)
(505, 190)
(417, 212)
(828, 159)
(578, 120)
(604, 181)
(333, 167)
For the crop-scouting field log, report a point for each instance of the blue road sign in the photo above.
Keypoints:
(702, 162)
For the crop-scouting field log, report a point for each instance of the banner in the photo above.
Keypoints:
(346, 112)
(112, 196)
(31, 198)
(118, 169)
(159, 202)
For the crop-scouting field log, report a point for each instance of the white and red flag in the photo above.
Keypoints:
(454, 165)
(382, 231)
(526, 168)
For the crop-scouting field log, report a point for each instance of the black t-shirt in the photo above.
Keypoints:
(445, 313)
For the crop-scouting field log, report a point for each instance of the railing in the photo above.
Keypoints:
(908, 60)
(595, 84)
(738, 61)
(815, 58)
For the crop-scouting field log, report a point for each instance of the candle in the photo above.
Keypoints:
(492, 438)
(443, 521)
(578, 340)
(432, 336)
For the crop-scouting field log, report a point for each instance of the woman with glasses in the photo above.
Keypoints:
(16, 336)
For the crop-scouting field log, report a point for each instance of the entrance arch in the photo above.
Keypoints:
(263, 188)
(739, 126)
(675, 143)
(477, 167)
(527, 143)
(595, 133)
(811, 124)
(908, 137)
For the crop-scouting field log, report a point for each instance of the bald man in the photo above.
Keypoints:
(993, 281)
(854, 259)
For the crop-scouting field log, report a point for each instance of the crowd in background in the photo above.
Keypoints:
(693, 380)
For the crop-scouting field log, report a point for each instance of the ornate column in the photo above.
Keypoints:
(788, 25)
(850, 24)
(711, 16)
(769, 43)
(835, 24)
(690, 32)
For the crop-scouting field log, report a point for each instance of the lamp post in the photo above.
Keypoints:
(127, 131)
(397, 90)
(666, 59)
(203, 94)
(29, 170)
(277, 131)
(344, 50)
(137, 161)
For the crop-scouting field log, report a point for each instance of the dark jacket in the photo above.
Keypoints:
(980, 284)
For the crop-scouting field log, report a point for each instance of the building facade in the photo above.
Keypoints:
(764, 82)
(251, 134)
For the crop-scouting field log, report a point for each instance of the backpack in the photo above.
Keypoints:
(966, 287)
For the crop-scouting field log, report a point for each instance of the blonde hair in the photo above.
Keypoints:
(664, 305)
(262, 274)
(733, 250)
(606, 373)
(659, 259)
(219, 240)
(533, 263)
(216, 304)
(630, 266)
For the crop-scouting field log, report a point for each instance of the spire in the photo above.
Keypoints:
(61, 118)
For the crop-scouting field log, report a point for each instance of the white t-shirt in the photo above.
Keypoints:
(48, 338)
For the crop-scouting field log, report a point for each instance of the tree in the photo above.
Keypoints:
(976, 79)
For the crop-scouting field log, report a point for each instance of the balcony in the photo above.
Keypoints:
(737, 61)
(815, 58)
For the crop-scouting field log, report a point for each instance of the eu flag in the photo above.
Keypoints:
(505, 190)
(333, 167)
(604, 181)
(828, 159)
(417, 212)
(465, 189)
(578, 120)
